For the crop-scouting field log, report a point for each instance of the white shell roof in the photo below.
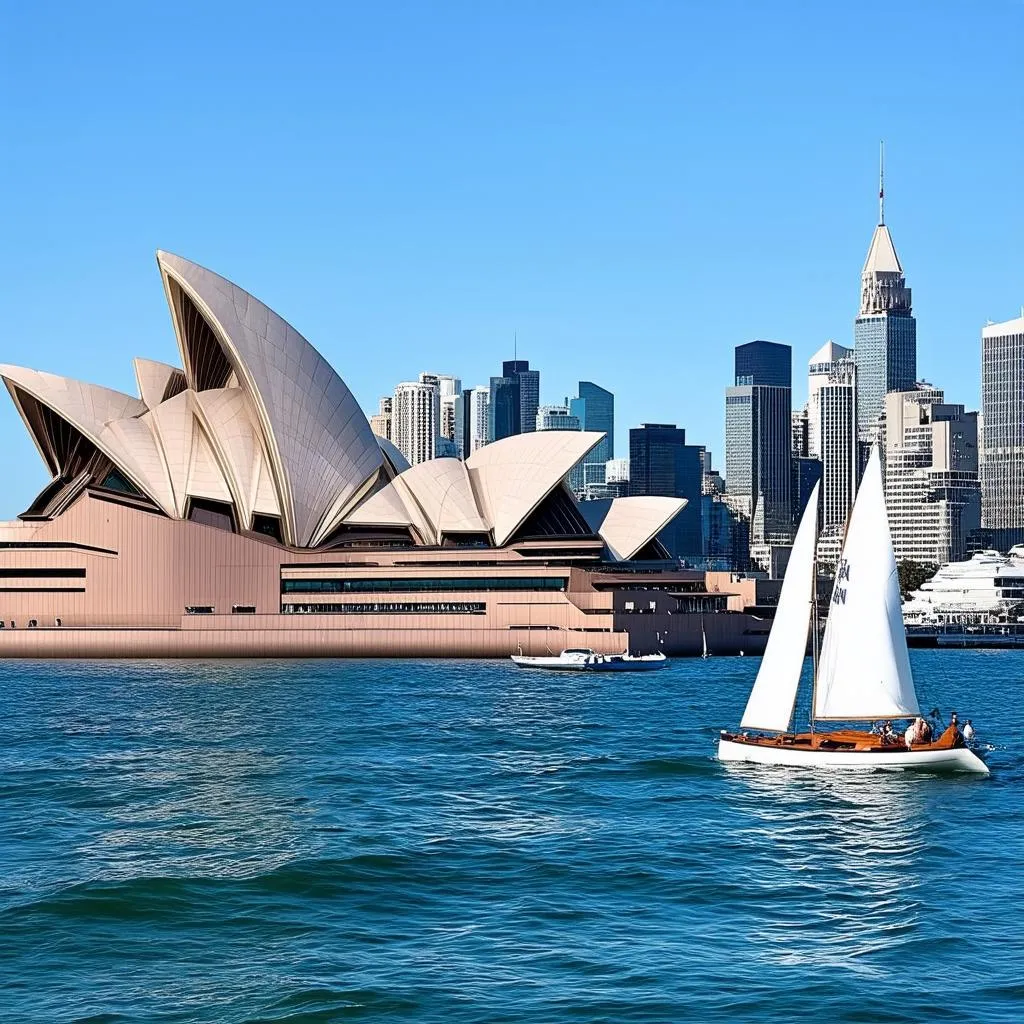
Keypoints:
(512, 476)
(231, 426)
(285, 437)
(443, 493)
(152, 379)
(384, 508)
(94, 411)
(319, 442)
(393, 454)
(631, 522)
(173, 424)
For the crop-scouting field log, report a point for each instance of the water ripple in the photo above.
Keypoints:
(243, 842)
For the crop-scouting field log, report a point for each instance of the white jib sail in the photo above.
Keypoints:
(864, 669)
(771, 700)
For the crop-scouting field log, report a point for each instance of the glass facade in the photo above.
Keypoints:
(885, 353)
(1002, 434)
(515, 398)
(764, 362)
(661, 462)
(758, 441)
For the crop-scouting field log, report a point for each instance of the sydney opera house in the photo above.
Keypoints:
(241, 506)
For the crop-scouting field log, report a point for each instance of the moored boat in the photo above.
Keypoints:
(583, 659)
(863, 671)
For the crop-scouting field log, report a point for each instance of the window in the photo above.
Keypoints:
(199, 609)
(269, 526)
(421, 584)
(56, 573)
(116, 481)
(219, 514)
(243, 609)
(388, 608)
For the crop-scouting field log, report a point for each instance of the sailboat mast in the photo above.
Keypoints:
(814, 635)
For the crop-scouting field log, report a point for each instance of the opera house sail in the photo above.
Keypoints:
(240, 505)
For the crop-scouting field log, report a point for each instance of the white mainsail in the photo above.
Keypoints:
(771, 701)
(864, 670)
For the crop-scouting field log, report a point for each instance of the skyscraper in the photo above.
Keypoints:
(758, 437)
(1002, 410)
(414, 413)
(595, 408)
(449, 415)
(515, 397)
(474, 404)
(819, 369)
(380, 422)
(835, 406)
(885, 331)
(557, 417)
(661, 462)
(932, 492)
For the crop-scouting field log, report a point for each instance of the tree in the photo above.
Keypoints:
(913, 574)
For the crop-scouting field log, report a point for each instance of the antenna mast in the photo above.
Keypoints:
(881, 182)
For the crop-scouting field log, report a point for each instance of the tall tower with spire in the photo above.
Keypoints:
(885, 331)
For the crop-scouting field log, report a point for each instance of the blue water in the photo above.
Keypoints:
(461, 841)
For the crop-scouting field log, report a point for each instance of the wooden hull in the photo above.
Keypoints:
(849, 749)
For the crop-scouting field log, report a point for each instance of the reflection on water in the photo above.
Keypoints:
(846, 846)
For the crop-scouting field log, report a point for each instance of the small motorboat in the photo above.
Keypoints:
(583, 659)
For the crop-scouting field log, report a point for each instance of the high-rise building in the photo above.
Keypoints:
(758, 437)
(932, 490)
(819, 368)
(885, 331)
(806, 472)
(472, 412)
(661, 462)
(799, 434)
(414, 415)
(557, 417)
(515, 398)
(765, 363)
(835, 405)
(449, 415)
(595, 408)
(380, 422)
(1002, 411)
(617, 471)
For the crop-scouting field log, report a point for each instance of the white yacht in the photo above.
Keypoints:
(986, 588)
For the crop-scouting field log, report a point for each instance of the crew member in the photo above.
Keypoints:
(968, 732)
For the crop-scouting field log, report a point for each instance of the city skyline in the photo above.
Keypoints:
(424, 217)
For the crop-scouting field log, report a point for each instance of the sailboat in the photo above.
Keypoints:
(863, 671)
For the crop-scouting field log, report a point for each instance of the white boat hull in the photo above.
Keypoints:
(611, 663)
(960, 759)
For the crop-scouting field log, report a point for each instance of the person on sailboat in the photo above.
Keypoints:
(913, 733)
(968, 732)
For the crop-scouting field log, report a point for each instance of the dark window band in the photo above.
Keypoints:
(388, 608)
(422, 584)
(63, 573)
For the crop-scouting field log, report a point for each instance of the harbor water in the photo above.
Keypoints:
(460, 841)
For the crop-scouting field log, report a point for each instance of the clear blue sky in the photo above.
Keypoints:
(633, 187)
